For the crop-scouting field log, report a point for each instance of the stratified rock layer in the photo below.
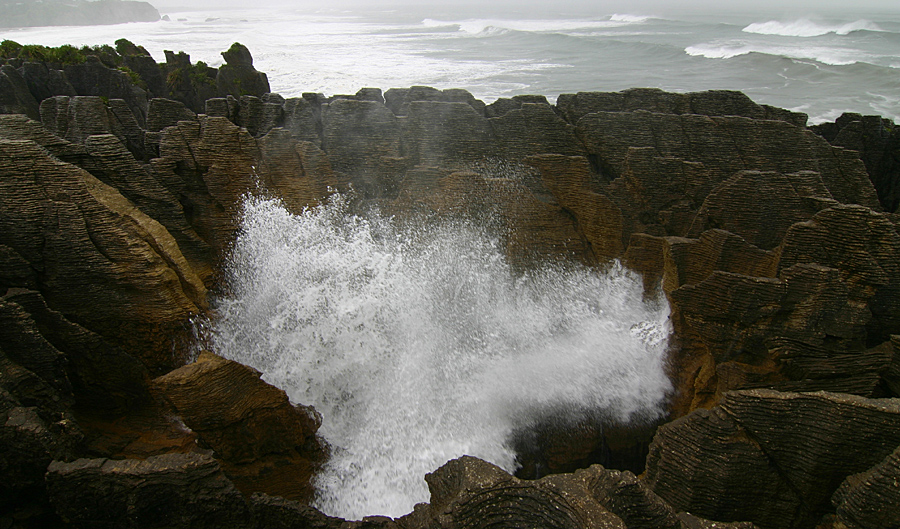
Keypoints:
(265, 443)
(769, 242)
(771, 458)
(102, 262)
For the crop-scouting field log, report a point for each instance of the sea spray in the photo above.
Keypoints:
(419, 342)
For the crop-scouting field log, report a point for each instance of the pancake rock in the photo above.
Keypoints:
(771, 458)
(121, 184)
(101, 261)
(264, 443)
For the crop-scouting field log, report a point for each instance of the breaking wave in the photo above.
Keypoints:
(807, 28)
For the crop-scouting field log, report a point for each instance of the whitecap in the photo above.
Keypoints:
(564, 25)
(807, 28)
(823, 54)
(630, 19)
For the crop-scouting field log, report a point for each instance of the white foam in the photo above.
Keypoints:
(823, 54)
(419, 344)
(562, 25)
(807, 28)
(630, 19)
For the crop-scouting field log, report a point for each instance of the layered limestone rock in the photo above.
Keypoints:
(15, 98)
(865, 500)
(878, 142)
(771, 458)
(709, 103)
(238, 77)
(98, 259)
(469, 492)
(172, 490)
(264, 443)
(211, 164)
(769, 242)
(76, 363)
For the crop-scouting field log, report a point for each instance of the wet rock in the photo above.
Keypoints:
(237, 76)
(891, 376)
(861, 244)
(74, 361)
(878, 142)
(302, 119)
(709, 103)
(300, 172)
(370, 94)
(93, 78)
(164, 113)
(600, 220)
(772, 458)
(15, 98)
(225, 107)
(534, 129)
(76, 118)
(801, 332)
(31, 436)
(503, 105)
(172, 490)
(690, 261)
(437, 133)
(631, 500)
(126, 128)
(869, 499)
(260, 115)
(399, 99)
(272, 113)
(689, 521)
(112, 164)
(363, 139)
(278, 513)
(265, 443)
(210, 164)
(754, 145)
(44, 82)
(469, 492)
(760, 207)
(102, 262)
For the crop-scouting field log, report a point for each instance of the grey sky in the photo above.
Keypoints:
(610, 6)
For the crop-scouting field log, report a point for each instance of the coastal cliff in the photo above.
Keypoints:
(776, 246)
(26, 13)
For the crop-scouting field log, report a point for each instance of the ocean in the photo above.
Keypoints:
(822, 64)
(420, 345)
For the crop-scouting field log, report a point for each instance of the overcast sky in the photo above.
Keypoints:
(543, 6)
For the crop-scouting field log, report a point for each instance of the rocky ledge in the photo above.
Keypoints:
(775, 244)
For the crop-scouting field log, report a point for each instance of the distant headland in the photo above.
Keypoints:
(27, 13)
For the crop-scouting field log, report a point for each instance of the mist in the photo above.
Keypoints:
(519, 8)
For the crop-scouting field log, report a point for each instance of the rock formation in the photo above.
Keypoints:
(121, 181)
(263, 442)
(74, 13)
(771, 458)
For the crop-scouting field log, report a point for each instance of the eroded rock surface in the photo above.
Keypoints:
(771, 458)
(776, 253)
(265, 443)
(102, 262)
